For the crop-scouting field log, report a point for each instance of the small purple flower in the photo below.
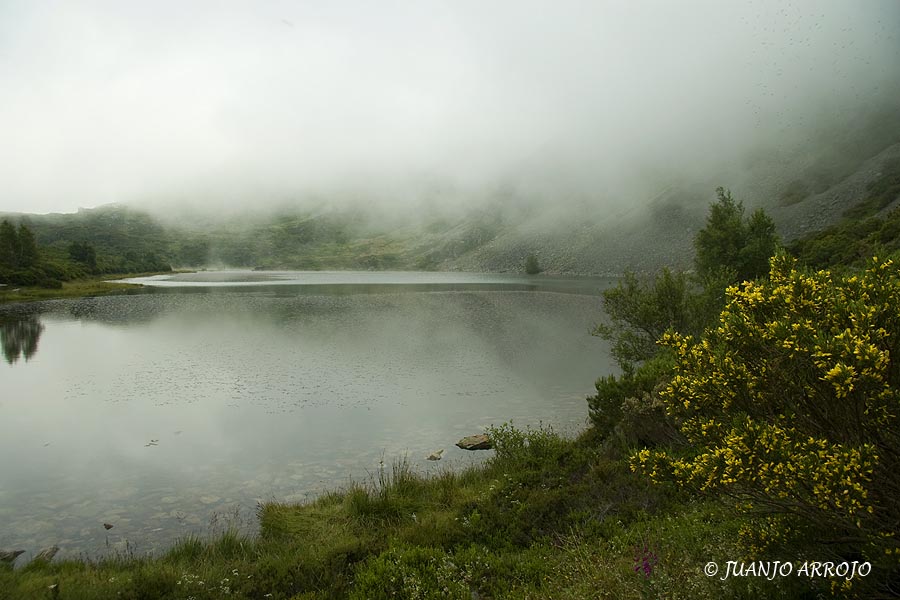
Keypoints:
(644, 561)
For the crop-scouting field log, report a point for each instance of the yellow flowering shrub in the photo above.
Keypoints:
(791, 401)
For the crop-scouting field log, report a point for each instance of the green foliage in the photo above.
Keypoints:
(23, 263)
(731, 241)
(522, 448)
(422, 573)
(9, 244)
(641, 311)
(410, 572)
(532, 267)
(27, 248)
(543, 485)
(627, 407)
(126, 240)
(84, 253)
(20, 261)
(18, 250)
(792, 408)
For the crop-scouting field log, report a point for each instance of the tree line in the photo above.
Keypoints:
(24, 262)
(18, 249)
(21, 261)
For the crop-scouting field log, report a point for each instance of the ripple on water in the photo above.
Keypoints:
(153, 412)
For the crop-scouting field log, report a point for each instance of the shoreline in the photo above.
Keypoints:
(77, 288)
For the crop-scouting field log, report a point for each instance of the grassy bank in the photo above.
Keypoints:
(69, 289)
(90, 286)
(545, 518)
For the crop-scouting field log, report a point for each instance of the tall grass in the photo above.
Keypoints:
(545, 517)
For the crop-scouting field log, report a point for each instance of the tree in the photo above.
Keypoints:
(9, 245)
(532, 267)
(640, 312)
(27, 248)
(83, 253)
(731, 242)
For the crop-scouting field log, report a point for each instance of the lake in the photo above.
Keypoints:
(176, 409)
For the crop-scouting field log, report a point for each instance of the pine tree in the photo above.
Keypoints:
(27, 250)
(9, 245)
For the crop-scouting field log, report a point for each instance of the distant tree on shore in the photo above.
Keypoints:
(532, 267)
(18, 249)
(27, 248)
(9, 243)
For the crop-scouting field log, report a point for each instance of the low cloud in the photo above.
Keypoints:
(252, 104)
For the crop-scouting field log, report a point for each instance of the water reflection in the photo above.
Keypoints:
(19, 337)
(155, 411)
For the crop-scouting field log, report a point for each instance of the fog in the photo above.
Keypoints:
(232, 105)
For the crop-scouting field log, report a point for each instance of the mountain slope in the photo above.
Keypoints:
(804, 193)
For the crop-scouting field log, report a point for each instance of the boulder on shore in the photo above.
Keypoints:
(475, 442)
(47, 553)
(10, 556)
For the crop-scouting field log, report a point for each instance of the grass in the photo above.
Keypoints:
(546, 517)
(92, 286)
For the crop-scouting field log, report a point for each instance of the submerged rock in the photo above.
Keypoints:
(10, 556)
(436, 455)
(47, 553)
(475, 442)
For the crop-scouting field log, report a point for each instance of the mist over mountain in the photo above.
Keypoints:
(231, 107)
(460, 136)
(805, 191)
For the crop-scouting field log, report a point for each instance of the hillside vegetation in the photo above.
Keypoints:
(498, 238)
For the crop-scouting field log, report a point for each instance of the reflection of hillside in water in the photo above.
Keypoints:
(19, 337)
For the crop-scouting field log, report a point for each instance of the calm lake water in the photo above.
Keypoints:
(165, 411)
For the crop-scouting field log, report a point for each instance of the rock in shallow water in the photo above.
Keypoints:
(10, 556)
(475, 442)
(47, 553)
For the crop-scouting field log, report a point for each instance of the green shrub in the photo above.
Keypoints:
(470, 572)
(640, 312)
(410, 572)
(606, 406)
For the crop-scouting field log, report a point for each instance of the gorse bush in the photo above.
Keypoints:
(791, 405)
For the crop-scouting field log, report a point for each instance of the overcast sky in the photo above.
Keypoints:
(255, 102)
